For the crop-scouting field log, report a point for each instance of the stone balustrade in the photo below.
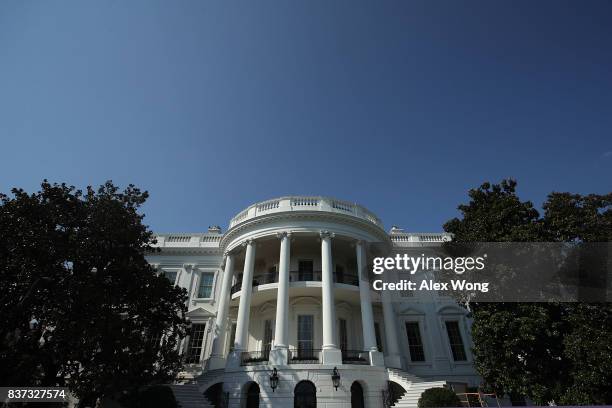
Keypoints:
(305, 203)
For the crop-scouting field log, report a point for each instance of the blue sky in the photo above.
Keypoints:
(398, 105)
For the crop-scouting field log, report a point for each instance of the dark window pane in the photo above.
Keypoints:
(195, 343)
(415, 343)
(456, 341)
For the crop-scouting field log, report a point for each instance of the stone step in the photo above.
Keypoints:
(414, 386)
(189, 396)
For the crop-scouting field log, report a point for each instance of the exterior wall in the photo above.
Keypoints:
(191, 255)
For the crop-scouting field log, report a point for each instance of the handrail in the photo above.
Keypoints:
(346, 278)
(355, 357)
(305, 356)
(254, 357)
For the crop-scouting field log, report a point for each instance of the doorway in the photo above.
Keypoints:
(305, 395)
(252, 400)
(357, 395)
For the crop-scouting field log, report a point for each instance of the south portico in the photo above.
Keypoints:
(329, 283)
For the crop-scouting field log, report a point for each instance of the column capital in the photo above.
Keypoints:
(326, 234)
(248, 242)
(189, 266)
(360, 242)
(281, 235)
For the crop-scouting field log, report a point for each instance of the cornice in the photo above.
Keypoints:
(367, 226)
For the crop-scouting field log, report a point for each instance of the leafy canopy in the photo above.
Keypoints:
(546, 351)
(79, 304)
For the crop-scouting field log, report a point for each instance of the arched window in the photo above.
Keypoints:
(357, 395)
(305, 395)
(252, 400)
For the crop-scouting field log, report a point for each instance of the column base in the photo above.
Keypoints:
(331, 356)
(394, 361)
(279, 356)
(216, 362)
(377, 359)
(233, 360)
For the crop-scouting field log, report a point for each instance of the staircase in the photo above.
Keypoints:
(188, 394)
(209, 378)
(413, 385)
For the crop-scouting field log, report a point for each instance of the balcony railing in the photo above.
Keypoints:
(306, 203)
(254, 357)
(300, 276)
(355, 357)
(304, 356)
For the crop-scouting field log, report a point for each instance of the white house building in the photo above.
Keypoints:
(286, 290)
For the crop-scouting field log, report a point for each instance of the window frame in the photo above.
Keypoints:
(177, 271)
(419, 327)
(213, 285)
(461, 337)
(188, 354)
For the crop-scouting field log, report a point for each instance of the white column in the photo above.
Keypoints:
(242, 324)
(367, 315)
(279, 355)
(331, 353)
(393, 358)
(217, 356)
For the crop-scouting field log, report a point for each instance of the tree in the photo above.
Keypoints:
(545, 351)
(79, 304)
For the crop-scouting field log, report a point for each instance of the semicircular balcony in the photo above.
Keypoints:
(305, 269)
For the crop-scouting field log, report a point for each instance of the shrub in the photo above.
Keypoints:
(439, 397)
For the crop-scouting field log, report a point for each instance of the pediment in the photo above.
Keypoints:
(199, 312)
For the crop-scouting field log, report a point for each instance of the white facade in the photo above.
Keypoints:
(287, 287)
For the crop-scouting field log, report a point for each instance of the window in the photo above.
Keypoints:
(343, 335)
(305, 335)
(340, 274)
(194, 349)
(206, 285)
(379, 342)
(267, 337)
(415, 343)
(305, 270)
(171, 276)
(455, 340)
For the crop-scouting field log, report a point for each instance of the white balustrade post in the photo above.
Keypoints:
(330, 353)
(217, 357)
(279, 355)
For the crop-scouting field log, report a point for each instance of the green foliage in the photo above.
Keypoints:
(439, 397)
(158, 396)
(546, 351)
(79, 303)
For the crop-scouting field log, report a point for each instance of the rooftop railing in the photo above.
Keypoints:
(305, 203)
(409, 238)
(181, 240)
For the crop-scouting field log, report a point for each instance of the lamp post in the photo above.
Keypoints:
(274, 380)
(336, 378)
